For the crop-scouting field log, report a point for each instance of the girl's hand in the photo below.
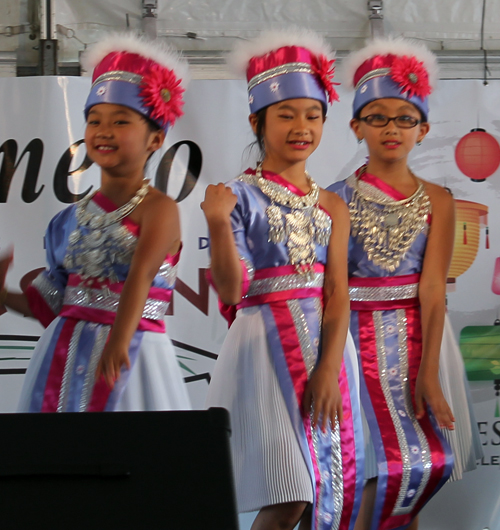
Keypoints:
(5, 263)
(322, 394)
(428, 390)
(112, 359)
(219, 202)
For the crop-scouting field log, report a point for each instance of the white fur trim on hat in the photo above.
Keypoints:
(271, 40)
(390, 45)
(158, 51)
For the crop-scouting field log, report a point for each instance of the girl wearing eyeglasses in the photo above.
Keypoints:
(401, 244)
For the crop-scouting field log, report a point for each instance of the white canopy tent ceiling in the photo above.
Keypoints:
(458, 30)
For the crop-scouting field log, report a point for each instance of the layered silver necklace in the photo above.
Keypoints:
(386, 227)
(302, 228)
(99, 241)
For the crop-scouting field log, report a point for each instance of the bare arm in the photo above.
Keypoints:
(225, 264)
(16, 301)
(432, 295)
(323, 387)
(19, 303)
(160, 235)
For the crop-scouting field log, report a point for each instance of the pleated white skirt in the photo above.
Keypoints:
(268, 465)
(155, 383)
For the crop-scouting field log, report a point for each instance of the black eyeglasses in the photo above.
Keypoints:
(380, 120)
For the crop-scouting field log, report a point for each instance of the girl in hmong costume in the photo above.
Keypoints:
(399, 254)
(279, 264)
(112, 257)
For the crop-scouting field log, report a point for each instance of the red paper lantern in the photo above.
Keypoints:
(478, 155)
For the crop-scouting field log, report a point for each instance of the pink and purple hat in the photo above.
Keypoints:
(391, 68)
(146, 76)
(286, 64)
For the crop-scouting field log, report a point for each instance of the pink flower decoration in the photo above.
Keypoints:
(162, 93)
(411, 76)
(325, 70)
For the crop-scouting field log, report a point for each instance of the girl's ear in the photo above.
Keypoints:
(424, 129)
(355, 126)
(157, 139)
(253, 122)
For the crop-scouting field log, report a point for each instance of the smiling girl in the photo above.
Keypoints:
(112, 257)
(402, 233)
(279, 265)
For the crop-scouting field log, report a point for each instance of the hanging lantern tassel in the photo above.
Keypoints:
(487, 238)
(465, 233)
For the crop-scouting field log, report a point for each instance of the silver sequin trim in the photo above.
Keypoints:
(405, 383)
(376, 294)
(386, 228)
(249, 267)
(98, 299)
(314, 434)
(118, 75)
(318, 305)
(309, 354)
(95, 356)
(337, 475)
(168, 272)
(68, 367)
(285, 283)
(384, 381)
(279, 70)
(52, 296)
(379, 72)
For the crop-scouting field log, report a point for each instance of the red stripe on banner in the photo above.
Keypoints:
(348, 448)
(369, 363)
(56, 371)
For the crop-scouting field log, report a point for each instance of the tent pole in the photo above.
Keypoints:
(149, 18)
(376, 18)
(48, 39)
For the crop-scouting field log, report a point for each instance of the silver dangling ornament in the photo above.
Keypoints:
(99, 242)
(300, 229)
(386, 227)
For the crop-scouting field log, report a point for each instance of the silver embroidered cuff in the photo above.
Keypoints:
(51, 294)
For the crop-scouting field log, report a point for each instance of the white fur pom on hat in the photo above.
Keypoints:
(155, 50)
(271, 40)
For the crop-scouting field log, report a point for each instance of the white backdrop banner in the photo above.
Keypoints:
(43, 168)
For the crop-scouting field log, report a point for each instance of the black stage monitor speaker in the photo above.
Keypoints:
(118, 470)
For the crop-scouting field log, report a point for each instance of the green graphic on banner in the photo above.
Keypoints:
(480, 347)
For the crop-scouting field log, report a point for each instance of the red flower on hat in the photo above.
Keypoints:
(411, 76)
(325, 70)
(162, 93)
